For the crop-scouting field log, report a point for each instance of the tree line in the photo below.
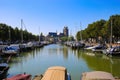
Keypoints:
(7, 34)
(101, 30)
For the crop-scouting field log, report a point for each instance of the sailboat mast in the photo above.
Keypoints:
(21, 31)
(80, 32)
(111, 35)
(9, 36)
(39, 34)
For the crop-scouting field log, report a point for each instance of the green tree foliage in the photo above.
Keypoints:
(4, 30)
(93, 30)
(17, 34)
(7, 32)
(102, 28)
(64, 39)
(115, 19)
(71, 38)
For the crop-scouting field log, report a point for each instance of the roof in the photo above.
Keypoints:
(97, 75)
(55, 73)
(52, 34)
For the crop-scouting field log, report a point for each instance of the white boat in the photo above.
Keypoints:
(91, 47)
(112, 51)
(9, 51)
(30, 45)
(16, 47)
(99, 48)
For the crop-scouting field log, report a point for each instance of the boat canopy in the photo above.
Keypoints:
(55, 73)
(97, 75)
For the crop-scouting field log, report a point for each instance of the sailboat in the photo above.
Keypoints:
(22, 45)
(112, 50)
(81, 43)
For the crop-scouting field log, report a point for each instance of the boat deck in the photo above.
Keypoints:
(20, 77)
(97, 75)
(55, 73)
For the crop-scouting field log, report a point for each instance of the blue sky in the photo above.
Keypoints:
(52, 15)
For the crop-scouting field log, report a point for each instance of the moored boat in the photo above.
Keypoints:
(99, 48)
(3, 70)
(113, 51)
(55, 73)
(23, 76)
(90, 47)
(97, 75)
(30, 45)
(16, 47)
(9, 51)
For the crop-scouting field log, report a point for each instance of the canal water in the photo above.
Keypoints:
(76, 61)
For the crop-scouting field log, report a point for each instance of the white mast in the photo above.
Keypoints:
(39, 34)
(9, 35)
(111, 35)
(21, 31)
(80, 31)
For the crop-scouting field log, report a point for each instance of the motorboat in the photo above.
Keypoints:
(54, 73)
(97, 75)
(99, 48)
(9, 51)
(23, 76)
(113, 51)
(4, 67)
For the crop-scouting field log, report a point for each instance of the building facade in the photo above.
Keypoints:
(54, 37)
(66, 31)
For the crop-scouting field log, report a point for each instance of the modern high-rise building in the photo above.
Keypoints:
(66, 31)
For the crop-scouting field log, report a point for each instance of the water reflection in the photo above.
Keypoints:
(58, 50)
(97, 61)
(76, 61)
(65, 52)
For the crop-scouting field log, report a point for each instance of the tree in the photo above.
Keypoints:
(7, 33)
(92, 31)
(102, 28)
(63, 39)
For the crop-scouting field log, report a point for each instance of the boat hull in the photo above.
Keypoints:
(20, 77)
(3, 71)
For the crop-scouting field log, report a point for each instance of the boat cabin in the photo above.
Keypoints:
(55, 73)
